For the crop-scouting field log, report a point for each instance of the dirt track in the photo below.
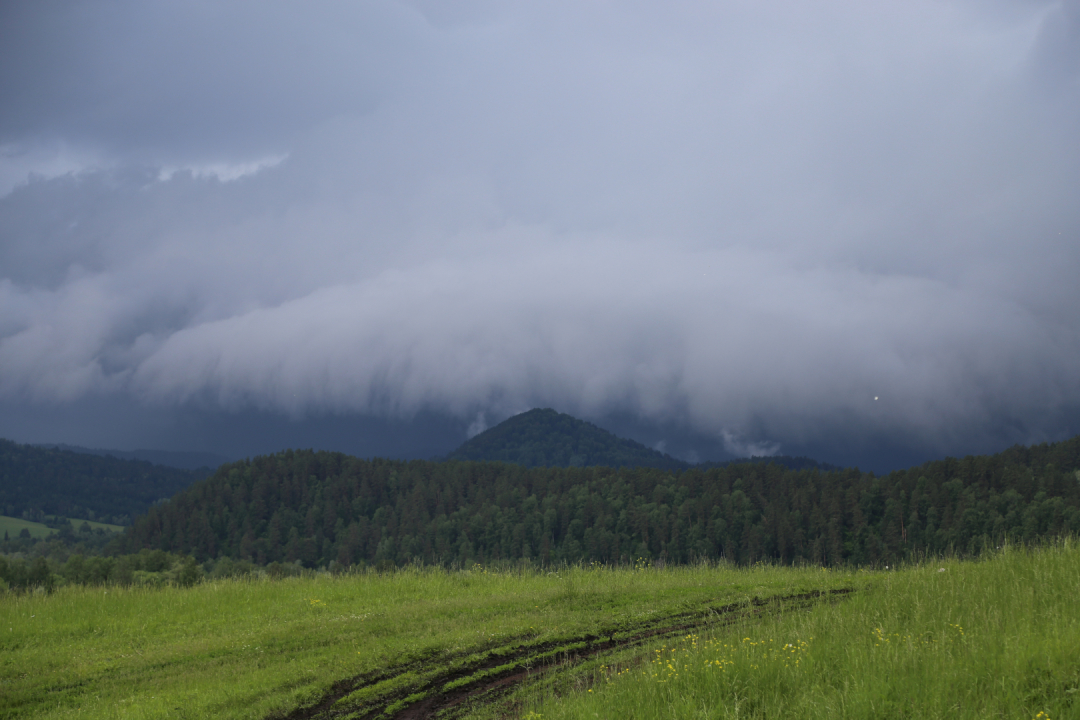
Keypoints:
(483, 675)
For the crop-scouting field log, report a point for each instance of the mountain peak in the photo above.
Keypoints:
(543, 437)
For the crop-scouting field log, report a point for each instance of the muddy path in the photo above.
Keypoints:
(447, 684)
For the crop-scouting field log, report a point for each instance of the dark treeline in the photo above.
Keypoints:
(323, 508)
(147, 568)
(87, 556)
(36, 482)
(790, 462)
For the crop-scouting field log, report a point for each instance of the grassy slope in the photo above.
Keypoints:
(992, 639)
(14, 525)
(248, 648)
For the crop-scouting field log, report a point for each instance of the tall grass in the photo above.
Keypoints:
(252, 648)
(998, 638)
(988, 639)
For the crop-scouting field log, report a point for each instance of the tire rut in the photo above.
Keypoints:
(484, 674)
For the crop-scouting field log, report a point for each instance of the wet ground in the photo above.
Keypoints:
(447, 685)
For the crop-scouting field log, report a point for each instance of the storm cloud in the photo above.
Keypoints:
(772, 225)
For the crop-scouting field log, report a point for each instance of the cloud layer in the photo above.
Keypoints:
(771, 224)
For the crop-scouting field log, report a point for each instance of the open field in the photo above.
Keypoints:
(13, 526)
(993, 639)
(252, 648)
(997, 638)
(97, 525)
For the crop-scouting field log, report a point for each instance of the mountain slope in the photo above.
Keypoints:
(169, 458)
(546, 438)
(37, 481)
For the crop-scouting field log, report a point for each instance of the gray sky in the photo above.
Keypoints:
(736, 227)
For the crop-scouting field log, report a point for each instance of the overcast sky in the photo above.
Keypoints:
(735, 227)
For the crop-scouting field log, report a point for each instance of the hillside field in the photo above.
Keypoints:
(998, 637)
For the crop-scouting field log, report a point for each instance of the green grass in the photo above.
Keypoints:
(251, 648)
(97, 525)
(998, 638)
(988, 639)
(13, 526)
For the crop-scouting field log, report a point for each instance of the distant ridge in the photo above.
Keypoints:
(545, 438)
(168, 458)
(40, 481)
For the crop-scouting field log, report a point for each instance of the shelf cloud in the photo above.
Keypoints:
(768, 224)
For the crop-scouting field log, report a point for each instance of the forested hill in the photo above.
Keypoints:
(323, 508)
(546, 438)
(39, 481)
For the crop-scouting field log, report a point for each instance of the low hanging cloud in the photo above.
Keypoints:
(769, 225)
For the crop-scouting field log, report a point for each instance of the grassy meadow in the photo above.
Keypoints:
(998, 638)
(13, 526)
(994, 638)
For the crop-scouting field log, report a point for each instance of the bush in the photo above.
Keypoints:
(187, 572)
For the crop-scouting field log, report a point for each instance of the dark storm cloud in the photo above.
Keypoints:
(748, 221)
(159, 80)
